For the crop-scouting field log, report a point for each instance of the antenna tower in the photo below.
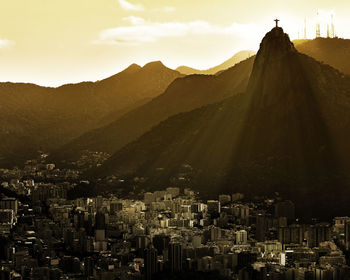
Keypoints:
(328, 31)
(318, 28)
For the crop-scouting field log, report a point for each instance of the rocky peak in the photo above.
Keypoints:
(276, 66)
(275, 44)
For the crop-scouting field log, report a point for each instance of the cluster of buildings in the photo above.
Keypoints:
(171, 231)
(41, 170)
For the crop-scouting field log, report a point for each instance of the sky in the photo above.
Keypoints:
(52, 42)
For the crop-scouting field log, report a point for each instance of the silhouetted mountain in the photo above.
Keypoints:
(289, 133)
(133, 68)
(184, 94)
(332, 51)
(238, 57)
(34, 117)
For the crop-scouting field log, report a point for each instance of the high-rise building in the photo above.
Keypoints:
(284, 235)
(9, 203)
(293, 234)
(215, 233)
(318, 233)
(150, 257)
(115, 207)
(100, 220)
(175, 257)
(241, 237)
(79, 219)
(244, 211)
(339, 224)
(98, 201)
(347, 235)
(214, 207)
(88, 266)
(161, 242)
(260, 227)
(142, 242)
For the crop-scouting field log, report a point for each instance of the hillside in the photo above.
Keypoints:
(44, 118)
(287, 133)
(184, 94)
(333, 51)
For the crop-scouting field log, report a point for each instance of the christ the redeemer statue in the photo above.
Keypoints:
(276, 20)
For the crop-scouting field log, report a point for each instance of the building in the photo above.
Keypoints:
(175, 257)
(9, 203)
(161, 242)
(347, 235)
(318, 233)
(241, 237)
(214, 207)
(151, 266)
(224, 198)
(261, 227)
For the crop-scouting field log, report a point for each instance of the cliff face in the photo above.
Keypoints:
(273, 67)
(284, 115)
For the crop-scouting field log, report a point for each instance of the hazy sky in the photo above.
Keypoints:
(51, 42)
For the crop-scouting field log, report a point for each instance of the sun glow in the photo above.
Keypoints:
(43, 39)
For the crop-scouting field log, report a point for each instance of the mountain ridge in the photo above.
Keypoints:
(332, 51)
(236, 58)
(183, 94)
(46, 117)
(286, 133)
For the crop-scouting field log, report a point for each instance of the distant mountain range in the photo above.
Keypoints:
(182, 95)
(187, 94)
(289, 132)
(238, 57)
(34, 117)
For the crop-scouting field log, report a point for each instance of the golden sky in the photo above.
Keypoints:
(51, 42)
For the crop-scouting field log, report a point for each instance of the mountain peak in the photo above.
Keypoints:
(275, 43)
(276, 62)
(132, 68)
(154, 65)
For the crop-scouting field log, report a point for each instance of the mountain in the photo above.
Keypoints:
(44, 118)
(333, 51)
(238, 57)
(289, 132)
(184, 94)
